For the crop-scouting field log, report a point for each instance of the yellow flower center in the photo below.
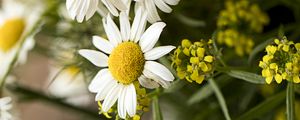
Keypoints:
(126, 62)
(10, 33)
(72, 70)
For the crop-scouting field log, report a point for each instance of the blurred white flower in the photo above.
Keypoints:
(150, 7)
(131, 59)
(69, 84)
(85, 9)
(5, 106)
(16, 21)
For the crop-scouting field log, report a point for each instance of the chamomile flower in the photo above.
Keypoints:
(16, 21)
(131, 58)
(150, 7)
(5, 106)
(68, 83)
(85, 9)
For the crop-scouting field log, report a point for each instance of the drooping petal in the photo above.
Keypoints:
(111, 8)
(125, 26)
(147, 83)
(152, 11)
(159, 70)
(102, 44)
(130, 100)
(92, 9)
(163, 6)
(159, 80)
(97, 58)
(158, 52)
(104, 90)
(99, 80)
(111, 97)
(121, 103)
(151, 36)
(172, 2)
(83, 10)
(119, 4)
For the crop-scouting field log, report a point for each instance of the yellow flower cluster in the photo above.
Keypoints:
(236, 17)
(193, 62)
(282, 61)
(232, 38)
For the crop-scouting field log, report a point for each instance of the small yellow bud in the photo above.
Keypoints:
(278, 78)
(186, 43)
(297, 45)
(277, 41)
(136, 117)
(288, 66)
(286, 48)
(186, 51)
(203, 66)
(271, 49)
(208, 58)
(269, 80)
(200, 52)
(194, 60)
(296, 79)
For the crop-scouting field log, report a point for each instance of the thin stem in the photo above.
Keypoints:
(290, 101)
(220, 98)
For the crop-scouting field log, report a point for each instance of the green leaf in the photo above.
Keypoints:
(207, 91)
(247, 76)
(264, 107)
(220, 98)
(258, 49)
(290, 101)
(156, 109)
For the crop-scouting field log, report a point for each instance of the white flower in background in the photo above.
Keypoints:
(150, 7)
(5, 106)
(85, 9)
(16, 21)
(69, 84)
(131, 58)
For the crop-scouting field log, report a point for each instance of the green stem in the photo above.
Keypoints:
(220, 98)
(35, 95)
(290, 101)
(156, 109)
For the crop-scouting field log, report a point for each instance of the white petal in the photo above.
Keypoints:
(130, 100)
(159, 80)
(111, 97)
(138, 25)
(98, 80)
(111, 38)
(97, 58)
(121, 103)
(102, 10)
(159, 70)
(147, 83)
(83, 10)
(172, 2)
(119, 4)
(125, 26)
(111, 8)
(151, 36)
(158, 52)
(5, 100)
(102, 44)
(163, 6)
(103, 91)
(92, 9)
(113, 30)
(152, 11)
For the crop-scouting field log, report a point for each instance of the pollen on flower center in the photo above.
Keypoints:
(10, 33)
(126, 62)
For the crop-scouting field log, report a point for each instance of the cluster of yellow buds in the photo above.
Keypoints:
(193, 62)
(237, 23)
(282, 61)
(232, 38)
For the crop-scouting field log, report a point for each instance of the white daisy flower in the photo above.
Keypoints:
(69, 84)
(131, 57)
(5, 106)
(150, 7)
(85, 9)
(16, 21)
